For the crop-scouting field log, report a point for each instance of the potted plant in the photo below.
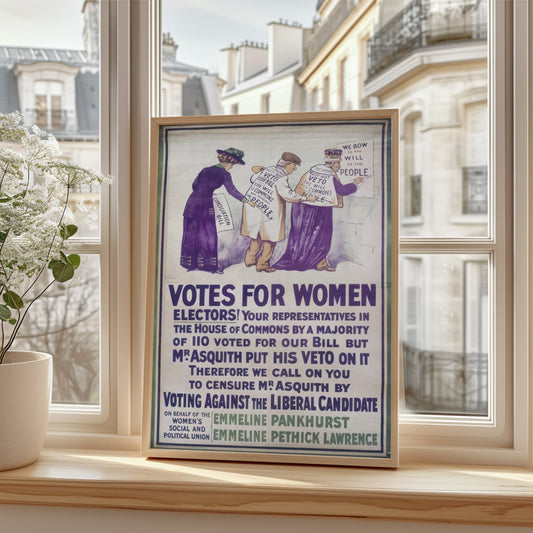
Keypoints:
(35, 253)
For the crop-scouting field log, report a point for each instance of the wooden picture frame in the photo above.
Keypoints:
(272, 307)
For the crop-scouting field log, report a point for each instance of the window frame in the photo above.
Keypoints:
(503, 438)
(136, 65)
(98, 426)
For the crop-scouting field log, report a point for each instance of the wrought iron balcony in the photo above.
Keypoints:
(445, 382)
(62, 123)
(424, 23)
(52, 120)
(322, 30)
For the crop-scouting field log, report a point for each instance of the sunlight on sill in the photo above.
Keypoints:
(522, 477)
(164, 466)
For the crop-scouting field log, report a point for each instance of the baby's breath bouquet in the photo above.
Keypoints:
(35, 220)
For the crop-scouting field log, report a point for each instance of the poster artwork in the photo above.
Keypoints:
(272, 330)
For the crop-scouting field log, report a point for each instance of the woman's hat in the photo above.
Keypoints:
(233, 152)
(333, 154)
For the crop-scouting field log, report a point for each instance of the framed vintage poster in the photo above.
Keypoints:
(272, 290)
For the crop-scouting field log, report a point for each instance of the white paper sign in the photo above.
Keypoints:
(318, 182)
(222, 213)
(357, 161)
(262, 191)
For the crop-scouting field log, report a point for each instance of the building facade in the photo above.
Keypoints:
(427, 58)
(261, 77)
(336, 54)
(58, 90)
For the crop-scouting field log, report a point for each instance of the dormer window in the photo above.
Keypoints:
(48, 105)
(48, 92)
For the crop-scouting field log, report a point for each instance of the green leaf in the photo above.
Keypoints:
(12, 321)
(63, 271)
(74, 260)
(5, 312)
(53, 263)
(13, 300)
(67, 230)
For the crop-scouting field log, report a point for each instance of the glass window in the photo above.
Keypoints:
(66, 322)
(313, 100)
(412, 160)
(475, 175)
(444, 332)
(325, 94)
(265, 107)
(452, 100)
(447, 296)
(455, 223)
(344, 90)
(52, 77)
(48, 108)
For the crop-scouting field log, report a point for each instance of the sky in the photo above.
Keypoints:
(201, 28)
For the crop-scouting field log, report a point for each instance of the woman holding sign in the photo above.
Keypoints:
(312, 224)
(199, 246)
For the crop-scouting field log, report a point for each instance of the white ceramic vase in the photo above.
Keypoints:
(25, 395)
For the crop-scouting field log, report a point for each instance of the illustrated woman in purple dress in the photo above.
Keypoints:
(199, 246)
(312, 225)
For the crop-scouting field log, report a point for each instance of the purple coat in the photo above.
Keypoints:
(311, 233)
(200, 202)
(199, 245)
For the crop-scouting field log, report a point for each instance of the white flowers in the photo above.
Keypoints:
(35, 220)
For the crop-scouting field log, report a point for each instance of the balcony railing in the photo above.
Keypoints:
(424, 23)
(445, 382)
(62, 123)
(324, 29)
(52, 120)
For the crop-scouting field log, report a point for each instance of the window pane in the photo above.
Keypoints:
(210, 48)
(65, 322)
(52, 77)
(449, 143)
(444, 302)
(428, 58)
(304, 66)
(49, 71)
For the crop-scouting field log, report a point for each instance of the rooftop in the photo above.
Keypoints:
(22, 54)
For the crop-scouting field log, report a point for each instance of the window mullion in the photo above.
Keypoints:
(522, 146)
(120, 211)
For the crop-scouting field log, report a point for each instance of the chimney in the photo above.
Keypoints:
(228, 71)
(169, 46)
(253, 58)
(91, 29)
(285, 45)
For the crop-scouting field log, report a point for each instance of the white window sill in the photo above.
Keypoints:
(432, 493)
